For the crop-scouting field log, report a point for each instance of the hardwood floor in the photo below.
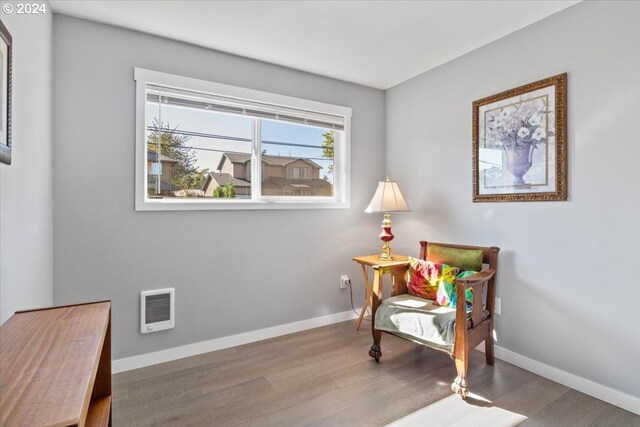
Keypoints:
(324, 377)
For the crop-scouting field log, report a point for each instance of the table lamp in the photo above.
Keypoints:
(387, 199)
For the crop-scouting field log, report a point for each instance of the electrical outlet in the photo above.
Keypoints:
(344, 281)
(498, 304)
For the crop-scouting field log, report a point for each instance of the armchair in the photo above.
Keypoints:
(448, 329)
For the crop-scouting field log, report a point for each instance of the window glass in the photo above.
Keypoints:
(297, 160)
(196, 153)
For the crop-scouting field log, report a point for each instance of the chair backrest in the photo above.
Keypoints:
(489, 254)
(489, 257)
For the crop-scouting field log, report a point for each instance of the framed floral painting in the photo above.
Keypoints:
(520, 143)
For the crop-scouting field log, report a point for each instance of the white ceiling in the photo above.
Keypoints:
(374, 43)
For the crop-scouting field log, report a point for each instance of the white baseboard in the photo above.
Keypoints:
(148, 359)
(607, 394)
(599, 391)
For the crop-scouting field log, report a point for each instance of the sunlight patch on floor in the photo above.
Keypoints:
(453, 411)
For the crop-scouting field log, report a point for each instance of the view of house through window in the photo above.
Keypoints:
(203, 147)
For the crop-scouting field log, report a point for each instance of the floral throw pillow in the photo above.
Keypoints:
(426, 277)
(447, 296)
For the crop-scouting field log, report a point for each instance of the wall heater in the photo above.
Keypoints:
(157, 310)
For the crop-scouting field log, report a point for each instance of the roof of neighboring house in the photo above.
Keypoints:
(235, 157)
(152, 156)
(297, 183)
(268, 159)
(224, 179)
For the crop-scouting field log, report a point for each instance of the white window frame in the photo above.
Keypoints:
(342, 157)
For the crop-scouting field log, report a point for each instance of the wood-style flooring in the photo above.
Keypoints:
(324, 377)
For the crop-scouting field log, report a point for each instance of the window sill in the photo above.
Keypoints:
(206, 205)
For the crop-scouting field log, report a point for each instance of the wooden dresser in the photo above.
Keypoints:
(55, 367)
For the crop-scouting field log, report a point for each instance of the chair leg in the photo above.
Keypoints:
(375, 351)
(376, 291)
(459, 386)
(488, 349)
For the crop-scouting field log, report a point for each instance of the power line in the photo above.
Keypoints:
(162, 144)
(230, 138)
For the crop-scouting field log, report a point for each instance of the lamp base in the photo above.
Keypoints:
(386, 236)
(385, 254)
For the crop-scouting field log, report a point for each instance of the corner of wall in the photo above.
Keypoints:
(26, 204)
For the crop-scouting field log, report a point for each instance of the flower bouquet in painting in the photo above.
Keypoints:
(517, 154)
(518, 130)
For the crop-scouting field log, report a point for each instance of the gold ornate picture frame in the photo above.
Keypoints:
(520, 143)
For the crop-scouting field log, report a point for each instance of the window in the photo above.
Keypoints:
(296, 172)
(204, 145)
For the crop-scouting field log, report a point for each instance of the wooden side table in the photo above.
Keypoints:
(56, 366)
(373, 261)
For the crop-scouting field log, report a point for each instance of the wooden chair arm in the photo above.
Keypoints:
(476, 283)
(398, 273)
(481, 276)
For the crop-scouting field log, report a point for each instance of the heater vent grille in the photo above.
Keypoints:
(156, 310)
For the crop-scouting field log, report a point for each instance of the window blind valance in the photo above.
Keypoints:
(223, 104)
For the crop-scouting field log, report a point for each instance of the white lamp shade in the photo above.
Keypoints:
(387, 198)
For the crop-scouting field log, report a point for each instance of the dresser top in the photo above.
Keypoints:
(48, 363)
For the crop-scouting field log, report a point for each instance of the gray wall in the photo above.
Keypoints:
(25, 186)
(569, 275)
(233, 271)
